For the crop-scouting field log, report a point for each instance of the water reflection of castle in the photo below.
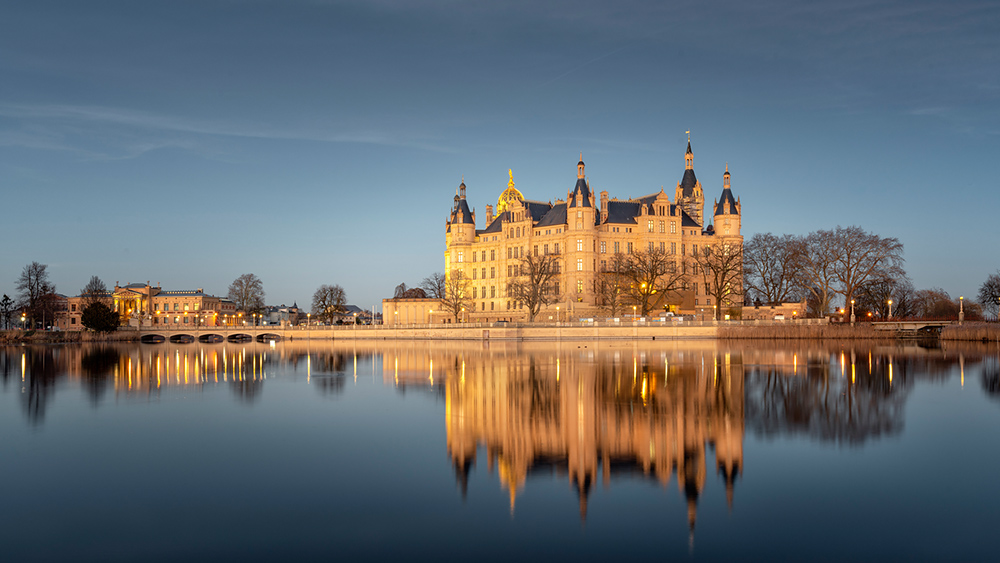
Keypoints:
(594, 415)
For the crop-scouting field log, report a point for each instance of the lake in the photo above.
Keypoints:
(691, 450)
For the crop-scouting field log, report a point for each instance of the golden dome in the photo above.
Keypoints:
(510, 195)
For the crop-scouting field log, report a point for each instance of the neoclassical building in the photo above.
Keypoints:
(584, 232)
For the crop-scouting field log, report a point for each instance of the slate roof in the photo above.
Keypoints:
(687, 221)
(537, 209)
(555, 216)
(497, 225)
(623, 212)
(727, 196)
(583, 188)
(688, 182)
(462, 214)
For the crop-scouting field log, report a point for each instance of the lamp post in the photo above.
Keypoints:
(961, 309)
(22, 321)
(890, 309)
(633, 313)
(308, 320)
(715, 312)
(852, 312)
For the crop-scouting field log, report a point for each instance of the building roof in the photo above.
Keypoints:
(688, 182)
(582, 188)
(687, 221)
(727, 197)
(497, 225)
(555, 216)
(461, 213)
(537, 209)
(623, 212)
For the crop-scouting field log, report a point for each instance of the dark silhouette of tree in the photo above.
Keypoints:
(95, 292)
(6, 311)
(819, 255)
(989, 294)
(535, 284)
(721, 265)
(651, 273)
(874, 296)
(863, 257)
(328, 302)
(33, 286)
(772, 268)
(612, 284)
(247, 293)
(457, 295)
(99, 317)
(434, 286)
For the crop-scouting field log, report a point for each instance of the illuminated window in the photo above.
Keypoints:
(662, 226)
(604, 247)
(673, 227)
(579, 245)
(649, 226)
(461, 256)
(579, 264)
(187, 307)
(579, 286)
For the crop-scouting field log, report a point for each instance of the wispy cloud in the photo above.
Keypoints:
(151, 122)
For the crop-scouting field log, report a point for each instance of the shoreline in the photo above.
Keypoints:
(969, 332)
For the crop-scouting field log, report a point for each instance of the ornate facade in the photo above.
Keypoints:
(584, 232)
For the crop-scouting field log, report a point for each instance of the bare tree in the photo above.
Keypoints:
(328, 302)
(6, 310)
(873, 296)
(95, 292)
(989, 294)
(721, 265)
(457, 294)
(247, 293)
(651, 273)
(434, 285)
(32, 286)
(612, 284)
(863, 257)
(535, 284)
(400, 291)
(772, 267)
(819, 257)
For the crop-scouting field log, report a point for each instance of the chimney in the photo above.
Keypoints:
(489, 215)
(604, 206)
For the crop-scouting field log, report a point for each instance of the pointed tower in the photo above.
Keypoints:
(460, 233)
(581, 219)
(727, 211)
(689, 194)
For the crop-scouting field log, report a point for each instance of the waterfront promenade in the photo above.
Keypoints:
(604, 330)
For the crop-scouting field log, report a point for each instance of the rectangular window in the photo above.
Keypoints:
(473, 256)
(579, 286)
(473, 292)
(510, 252)
(694, 250)
(493, 291)
(484, 305)
(72, 320)
(617, 248)
(604, 265)
(493, 272)
(662, 228)
(545, 249)
(536, 250)
(557, 248)
(473, 273)
(630, 248)
(493, 254)
(491, 305)
(197, 306)
(673, 227)
(176, 307)
(579, 264)
(650, 225)
(185, 320)
(579, 245)
(683, 250)
(673, 248)
(461, 256)
(650, 246)
(604, 247)
(73, 307)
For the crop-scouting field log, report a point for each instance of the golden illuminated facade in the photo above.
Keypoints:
(585, 231)
(152, 306)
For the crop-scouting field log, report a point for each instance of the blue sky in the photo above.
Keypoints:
(319, 142)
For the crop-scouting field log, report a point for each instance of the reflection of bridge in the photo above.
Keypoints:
(912, 328)
(211, 334)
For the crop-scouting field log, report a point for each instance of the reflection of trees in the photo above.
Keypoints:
(247, 390)
(865, 402)
(991, 379)
(96, 368)
(42, 369)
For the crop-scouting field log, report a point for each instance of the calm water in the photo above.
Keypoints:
(678, 450)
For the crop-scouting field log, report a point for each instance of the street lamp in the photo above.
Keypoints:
(890, 309)
(308, 319)
(852, 312)
(22, 321)
(961, 309)
(633, 313)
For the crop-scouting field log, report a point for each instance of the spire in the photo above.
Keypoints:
(689, 155)
(579, 168)
(725, 178)
(461, 187)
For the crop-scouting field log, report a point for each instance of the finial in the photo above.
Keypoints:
(727, 168)
(689, 135)
(581, 156)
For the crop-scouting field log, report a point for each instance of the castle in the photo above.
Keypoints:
(584, 233)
